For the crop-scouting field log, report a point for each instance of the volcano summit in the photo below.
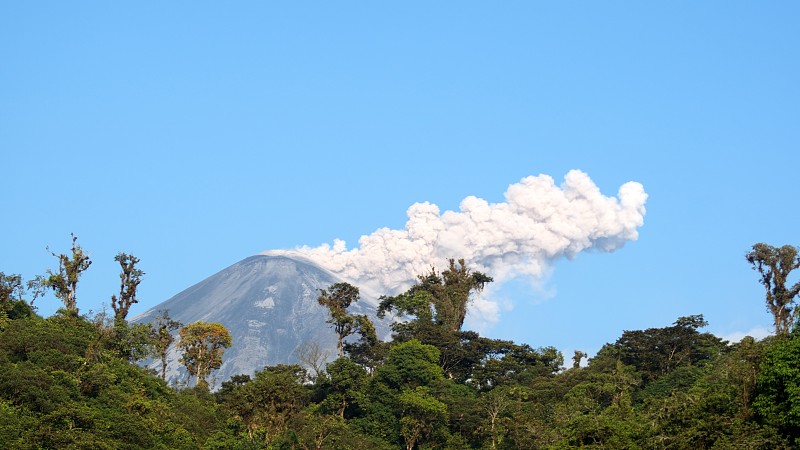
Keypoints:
(269, 305)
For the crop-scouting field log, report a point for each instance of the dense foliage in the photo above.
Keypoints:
(63, 385)
(68, 381)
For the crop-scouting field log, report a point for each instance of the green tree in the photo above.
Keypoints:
(367, 350)
(407, 366)
(452, 290)
(448, 292)
(344, 386)
(577, 357)
(12, 303)
(658, 351)
(11, 289)
(598, 413)
(421, 413)
(161, 337)
(337, 298)
(313, 430)
(709, 407)
(410, 364)
(507, 363)
(414, 303)
(495, 404)
(203, 344)
(266, 404)
(778, 388)
(775, 264)
(132, 341)
(64, 283)
(66, 392)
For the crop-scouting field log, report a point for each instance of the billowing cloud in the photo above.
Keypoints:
(538, 222)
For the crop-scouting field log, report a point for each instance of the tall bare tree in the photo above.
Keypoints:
(161, 337)
(64, 283)
(130, 277)
(775, 264)
(311, 355)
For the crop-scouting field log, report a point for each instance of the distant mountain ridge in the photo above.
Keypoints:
(269, 304)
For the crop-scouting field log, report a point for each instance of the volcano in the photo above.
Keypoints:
(269, 305)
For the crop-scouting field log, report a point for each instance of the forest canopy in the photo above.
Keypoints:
(71, 380)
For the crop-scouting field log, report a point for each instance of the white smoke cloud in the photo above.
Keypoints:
(537, 223)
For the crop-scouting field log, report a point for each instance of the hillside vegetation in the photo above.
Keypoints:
(70, 380)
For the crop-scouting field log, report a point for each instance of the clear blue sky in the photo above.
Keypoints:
(195, 134)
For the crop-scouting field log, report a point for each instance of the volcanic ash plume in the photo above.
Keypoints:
(537, 223)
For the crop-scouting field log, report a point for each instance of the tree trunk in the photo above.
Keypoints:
(164, 366)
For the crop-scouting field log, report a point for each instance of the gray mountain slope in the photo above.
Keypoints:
(269, 304)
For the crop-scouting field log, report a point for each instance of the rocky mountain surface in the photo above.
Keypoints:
(269, 305)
